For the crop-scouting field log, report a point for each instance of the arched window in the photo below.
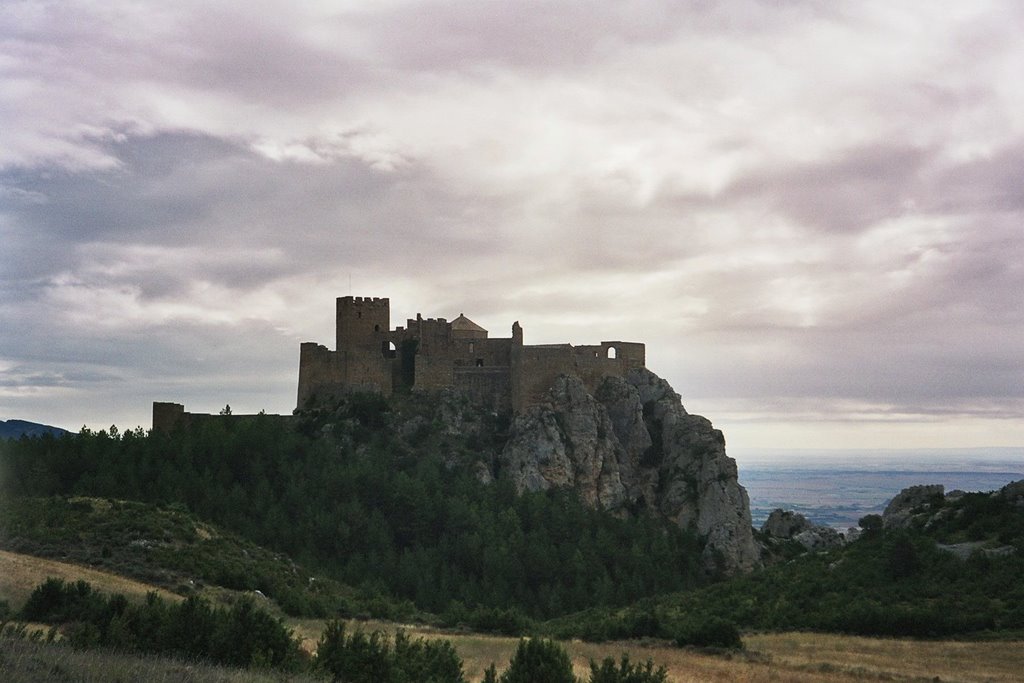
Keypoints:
(376, 328)
(388, 350)
(612, 352)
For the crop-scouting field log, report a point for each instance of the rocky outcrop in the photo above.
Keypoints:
(910, 502)
(630, 446)
(1013, 493)
(820, 538)
(783, 525)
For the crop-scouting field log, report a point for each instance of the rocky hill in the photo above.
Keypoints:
(632, 446)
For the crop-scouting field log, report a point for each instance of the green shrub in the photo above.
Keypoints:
(539, 661)
(508, 622)
(242, 636)
(361, 658)
(625, 672)
(871, 524)
(425, 661)
(711, 632)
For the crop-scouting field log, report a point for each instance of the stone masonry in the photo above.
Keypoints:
(433, 353)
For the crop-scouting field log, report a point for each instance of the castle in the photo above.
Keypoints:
(430, 354)
(433, 353)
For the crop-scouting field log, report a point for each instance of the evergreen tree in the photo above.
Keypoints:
(537, 660)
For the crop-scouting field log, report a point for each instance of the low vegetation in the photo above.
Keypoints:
(242, 635)
(887, 583)
(170, 548)
(246, 636)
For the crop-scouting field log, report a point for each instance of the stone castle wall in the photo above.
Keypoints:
(434, 353)
(170, 416)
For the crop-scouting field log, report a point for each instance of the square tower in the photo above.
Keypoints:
(362, 323)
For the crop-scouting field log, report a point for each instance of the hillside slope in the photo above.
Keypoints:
(20, 574)
(936, 566)
(151, 547)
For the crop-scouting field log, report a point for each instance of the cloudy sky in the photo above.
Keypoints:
(811, 211)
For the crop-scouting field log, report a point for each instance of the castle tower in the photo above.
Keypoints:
(362, 323)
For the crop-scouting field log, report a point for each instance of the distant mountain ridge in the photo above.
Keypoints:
(14, 429)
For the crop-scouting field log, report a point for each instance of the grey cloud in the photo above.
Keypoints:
(849, 192)
(991, 183)
(191, 190)
(188, 207)
(22, 377)
(249, 54)
(545, 36)
(122, 375)
(898, 364)
(471, 35)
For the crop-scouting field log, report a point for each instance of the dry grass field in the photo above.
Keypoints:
(20, 574)
(798, 657)
(28, 662)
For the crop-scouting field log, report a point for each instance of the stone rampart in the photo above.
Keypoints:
(430, 354)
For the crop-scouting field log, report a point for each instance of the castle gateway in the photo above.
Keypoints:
(433, 353)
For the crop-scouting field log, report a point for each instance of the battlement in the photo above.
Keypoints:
(170, 416)
(410, 323)
(367, 300)
(438, 353)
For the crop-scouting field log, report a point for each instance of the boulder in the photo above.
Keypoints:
(820, 538)
(784, 524)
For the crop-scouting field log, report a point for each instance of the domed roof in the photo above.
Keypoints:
(464, 327)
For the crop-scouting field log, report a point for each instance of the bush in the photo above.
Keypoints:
(371, 659)
(712, 632)
(241, 636)
(871, 524)
(539, 661)
(625, 672)
(426, 661)
(507, 622)
(356, 658)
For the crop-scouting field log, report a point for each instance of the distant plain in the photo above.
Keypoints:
(837, 488)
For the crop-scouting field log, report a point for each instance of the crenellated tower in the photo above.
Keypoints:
(434, 353)
(362, 322)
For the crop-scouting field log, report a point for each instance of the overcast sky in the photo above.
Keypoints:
(811, 211)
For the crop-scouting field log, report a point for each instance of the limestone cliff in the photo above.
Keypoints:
(631, 445)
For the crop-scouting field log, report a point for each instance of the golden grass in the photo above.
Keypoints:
(35, 662)
(893, 658)
(20, 574)
(795, 657)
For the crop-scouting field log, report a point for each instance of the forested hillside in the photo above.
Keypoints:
(399, 500)
(953, 567)
(403, 513)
